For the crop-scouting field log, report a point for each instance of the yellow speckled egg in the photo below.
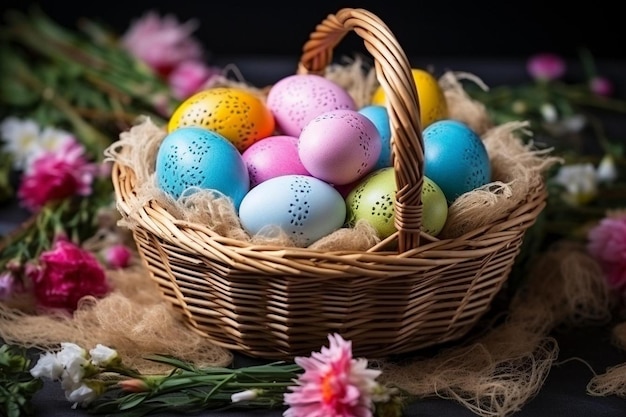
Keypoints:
(235, 113)
(432, 101)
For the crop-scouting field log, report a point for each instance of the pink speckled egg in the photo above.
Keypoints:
(272, 157)
(339, 146)
(297, 99)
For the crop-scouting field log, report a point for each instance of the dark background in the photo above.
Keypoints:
(430, 29)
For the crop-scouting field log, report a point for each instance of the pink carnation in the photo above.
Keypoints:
(607, 244)
(57, 175)
(601, 86)
(162, 43)
(65, 274)
(546, 66)
(333, 384)
(117, 256)
(189, 77)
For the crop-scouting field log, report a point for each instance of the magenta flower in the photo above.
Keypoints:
(601, 86)
(162, 43)
(65, 274)
(333, 384)
(190, 77)
(546, 67)
(57, 175)
(607, 244)
(117, 256)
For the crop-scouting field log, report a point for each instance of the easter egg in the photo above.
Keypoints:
(379, 116)
(194, 157)
(339, 146)
(373, 199)
(297, 99)
(431, 99)
(304, 207)
(455, 157)
(235, 113)
(272, 157)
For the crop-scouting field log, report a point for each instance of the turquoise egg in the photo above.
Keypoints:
(191, 158)
(455, 158)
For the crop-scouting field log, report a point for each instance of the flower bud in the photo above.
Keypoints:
(134, 385)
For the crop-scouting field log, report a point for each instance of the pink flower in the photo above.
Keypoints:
(65, 274)
(601, 86)
(607, 244)
(9, 285)
(117, 256)
(162, 43)
(57, 175)
(189, 77)
(333, 384)
(546, 67)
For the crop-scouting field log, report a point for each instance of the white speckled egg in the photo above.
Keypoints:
(195, 157)
(304, 207)
(272, 157)
(297, 99)
(339, 146)
(455, 157)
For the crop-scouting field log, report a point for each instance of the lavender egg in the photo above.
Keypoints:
(339, 146)
(304, 207)
(195, 157)
(272, 157)
(297, 99)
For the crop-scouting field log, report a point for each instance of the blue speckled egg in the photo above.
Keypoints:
(455, 158)
(304, 207)
(379, 116)
(192, 157)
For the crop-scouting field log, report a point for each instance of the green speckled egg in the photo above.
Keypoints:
(373, 199)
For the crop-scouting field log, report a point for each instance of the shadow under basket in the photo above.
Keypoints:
(280, 302)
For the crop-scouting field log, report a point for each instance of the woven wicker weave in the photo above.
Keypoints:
(280, 302)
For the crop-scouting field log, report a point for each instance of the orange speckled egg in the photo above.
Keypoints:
(237, 114)
(432, 100)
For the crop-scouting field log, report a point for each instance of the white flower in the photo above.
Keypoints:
(549, 113)
(580, 182)
(20, 138)
(246, 395)
(102, 355)
(74, 360)
(49, 140)
(81, 394)
(47, 366)
(606, 171)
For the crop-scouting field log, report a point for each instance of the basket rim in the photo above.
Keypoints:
(154, 217)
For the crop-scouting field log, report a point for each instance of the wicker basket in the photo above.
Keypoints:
(280, 302)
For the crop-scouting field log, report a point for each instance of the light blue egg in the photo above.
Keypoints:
(455, 158)
(195, 157)
(379, 116)
(304, 207)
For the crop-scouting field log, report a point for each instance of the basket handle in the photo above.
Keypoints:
(393, 72)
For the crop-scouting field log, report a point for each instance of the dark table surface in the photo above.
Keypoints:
(582, 351)
(563, 394)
